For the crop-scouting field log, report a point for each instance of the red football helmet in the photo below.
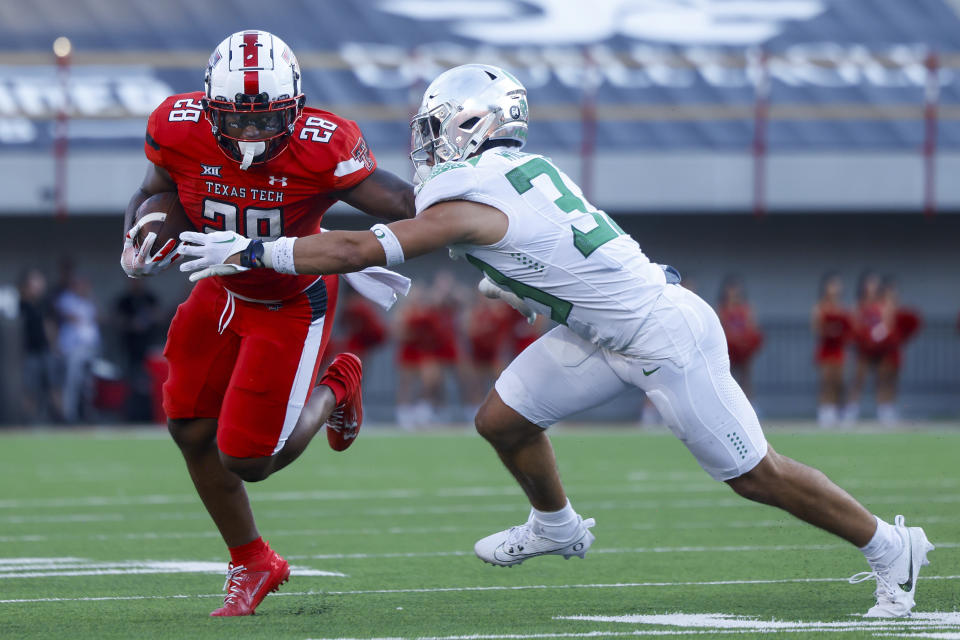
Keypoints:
(253, 96)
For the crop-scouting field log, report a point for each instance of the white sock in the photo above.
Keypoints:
(557, 525)
(828, 415)
(851, 413)
(885, 545)
(887, 413)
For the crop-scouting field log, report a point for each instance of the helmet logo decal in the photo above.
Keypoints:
(251, 79)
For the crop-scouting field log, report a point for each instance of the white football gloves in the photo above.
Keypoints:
(491, 289)
(137, 263)
(210, 250)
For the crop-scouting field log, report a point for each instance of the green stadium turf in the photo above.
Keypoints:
(103, 537)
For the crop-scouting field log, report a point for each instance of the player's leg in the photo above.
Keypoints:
(807, 494)
(558, 375)
(525, 451)
(221, 491)
(201, 359)
(267, 420)
(708, 411)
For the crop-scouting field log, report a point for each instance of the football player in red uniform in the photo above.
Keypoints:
(246, 155)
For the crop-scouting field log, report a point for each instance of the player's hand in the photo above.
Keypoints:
(137, 263)
(215, 253)
(491, 289)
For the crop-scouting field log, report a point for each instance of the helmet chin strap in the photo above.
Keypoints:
(250, 150)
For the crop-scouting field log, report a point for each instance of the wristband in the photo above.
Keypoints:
(278, 255)
(391, 246)
(252, 256)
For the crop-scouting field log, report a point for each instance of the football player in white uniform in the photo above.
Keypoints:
(623, 322)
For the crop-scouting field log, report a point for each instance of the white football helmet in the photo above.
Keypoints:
(463, 108)
(253, 96)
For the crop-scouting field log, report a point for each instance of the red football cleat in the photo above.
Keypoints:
(344, 423)
(247, 585)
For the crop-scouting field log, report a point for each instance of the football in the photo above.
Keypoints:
(176, 221)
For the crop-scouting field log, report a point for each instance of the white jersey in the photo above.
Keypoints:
(562, 255)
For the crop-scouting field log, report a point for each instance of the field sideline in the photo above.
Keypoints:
(103, 537)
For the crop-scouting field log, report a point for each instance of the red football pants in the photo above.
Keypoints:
(250, 365)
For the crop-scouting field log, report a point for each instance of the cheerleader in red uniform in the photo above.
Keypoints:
(904, 324)
(744, 338)
(365, 329)
(489, 326)
(832, 327)
(871, 329)
(360, 327)
(448, 301)
(414, 341)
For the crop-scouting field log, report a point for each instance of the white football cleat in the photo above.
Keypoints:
(897, 582)
(516, 544)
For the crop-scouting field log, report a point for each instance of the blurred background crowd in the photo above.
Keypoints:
(792, 158)
(82, 362)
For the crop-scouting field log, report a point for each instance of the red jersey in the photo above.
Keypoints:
(490, 326)
(873, 334)
(443, 319)
(286, 196)
(743, 338)
(835, 329)
(365, 328)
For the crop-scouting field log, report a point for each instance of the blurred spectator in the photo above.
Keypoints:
(364, 327)
(447, 302)
(869, 330)
(489, 327)
(880, 328)
(137, 312)
(522, 334)
(832, 327)
(79, 342)
(39, 397)
(413, 344)
(904, 324)
(744, 338)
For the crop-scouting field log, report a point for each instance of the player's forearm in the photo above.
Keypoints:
(135, 201)
(326, 253)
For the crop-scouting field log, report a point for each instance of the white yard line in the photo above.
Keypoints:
(19, 568)
(652, 633)
(618, 585)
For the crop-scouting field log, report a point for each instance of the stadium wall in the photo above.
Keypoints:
(780, 258)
